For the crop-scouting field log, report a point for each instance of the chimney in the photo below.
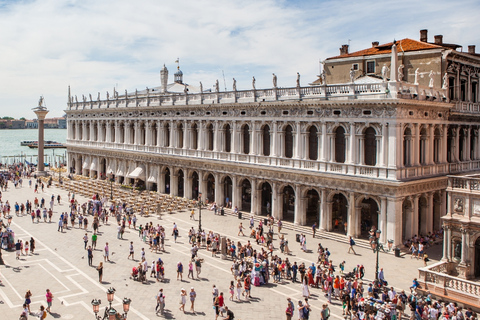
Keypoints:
(423, 35)
(344, 49)
(375, 44)
(471, 49)
(438, 39)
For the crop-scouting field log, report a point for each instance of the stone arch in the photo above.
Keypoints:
(407, 219)
(313, 142)
(369, 214)
(312, 205)
(288, 141)
(422, 215)
(246, 194)
(180, 182)
(227, 184)
(288, 198)
(477, 258)
(265, 139)
(227, 132)
(195, 183)
(210, 187)
(266, 190)
(245, 138)
(370, 146)
(210, 135)
(407, 146)
(437, 144)
(340, 144)
(338, 211)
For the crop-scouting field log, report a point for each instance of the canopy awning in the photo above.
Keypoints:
(137, 173)
(85, 165)
(111, 168)
(152, 177)
(93, 165)
(121, 171)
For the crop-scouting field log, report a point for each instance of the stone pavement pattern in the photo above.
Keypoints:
(60, 264)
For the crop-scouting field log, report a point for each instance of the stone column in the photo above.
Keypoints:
(445, 243)
(328, 216)
(351, 145)
(444, 139)
(383, 146)
(463, 259)
(172, 134)
(160, 130)
(216, 135)
(323, 210)
(274, 152)
(448, 240)
(235, 192)
(431, 140)
(429, 214)
(351, 214)
(235, 148)
(148, 133)
(298, 144)
(416, 142)
(41, 113)
(382, 223)
(218, 190)
(174, 183)
(394, 158)
(188, 184)
(253, 138)
(323, 153)
(299, 214)
(276, 205)
(414, 226)
(394, 220)
(456, 148)
(467, 145)
(254, 199)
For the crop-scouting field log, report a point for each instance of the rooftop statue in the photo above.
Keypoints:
(234, 84)
(217, 86)
(445, 81)
(352, 75)
(253, 82)
(298, 79)
(400, 73)
(274, 80)
(416, 76)
(431, 75)
(385, 70)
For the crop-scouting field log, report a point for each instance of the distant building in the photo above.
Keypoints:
(17, 124)
(31, 124)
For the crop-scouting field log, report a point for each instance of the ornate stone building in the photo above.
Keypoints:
(371, 151)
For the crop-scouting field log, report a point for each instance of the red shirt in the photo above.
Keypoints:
(220, 301)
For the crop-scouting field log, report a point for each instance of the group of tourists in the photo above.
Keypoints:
(263, 257)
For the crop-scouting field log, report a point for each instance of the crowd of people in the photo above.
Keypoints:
(263, 257)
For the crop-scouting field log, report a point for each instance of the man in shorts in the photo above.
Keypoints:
(106, 253)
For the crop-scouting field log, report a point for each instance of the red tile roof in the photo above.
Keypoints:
(403, 45)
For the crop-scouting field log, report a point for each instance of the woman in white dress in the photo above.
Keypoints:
(183, 300)
(305, 290)
(239, 289)
(304, 243)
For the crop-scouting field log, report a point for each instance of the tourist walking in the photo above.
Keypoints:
(28, 297)
(100, 272)
(183, 300)
(90, 255)
(49, 298)
(106, 253)
(131, 251)
(180, 270)
(193, 295)
(351, 243)
(160, 302)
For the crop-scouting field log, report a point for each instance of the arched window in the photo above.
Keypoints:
(122, 133)
(340, 145)
(194, 143)
(313, 143)
(228, 138)
(450, 145)
(266, 140)
(180, 135)
(288, 142)
(423, 146)
(246, 139)
(370, 151)
(210, 137)
(437, 145)
(166, 143)
(407, 142)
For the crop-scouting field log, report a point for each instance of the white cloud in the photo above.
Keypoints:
(95, 45)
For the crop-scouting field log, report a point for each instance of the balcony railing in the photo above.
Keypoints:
(435, 279)
(383, 90)
(467, 107)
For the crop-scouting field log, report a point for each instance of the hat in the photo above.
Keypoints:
(289, 299)
(192, 288)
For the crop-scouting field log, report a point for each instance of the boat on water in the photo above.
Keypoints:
(30, 142)
(46, 145)
(27, 142)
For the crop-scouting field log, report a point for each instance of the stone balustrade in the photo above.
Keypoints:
(435, 279)
(464, 183)
(467, 107)
(381, 90)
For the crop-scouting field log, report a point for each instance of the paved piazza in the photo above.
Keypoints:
(60, 264)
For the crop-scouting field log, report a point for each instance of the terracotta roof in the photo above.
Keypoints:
(403, 45)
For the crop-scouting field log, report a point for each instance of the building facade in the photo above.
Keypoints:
(367, 152)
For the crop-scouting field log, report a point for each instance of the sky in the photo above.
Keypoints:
(93, 46)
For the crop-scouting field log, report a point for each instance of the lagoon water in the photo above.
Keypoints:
(10, 144)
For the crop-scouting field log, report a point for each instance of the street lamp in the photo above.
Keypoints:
(110, 312)
(376, 247)
(199, 212)
(111, 185)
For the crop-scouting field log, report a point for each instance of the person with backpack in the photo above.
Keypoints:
(352, 243)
